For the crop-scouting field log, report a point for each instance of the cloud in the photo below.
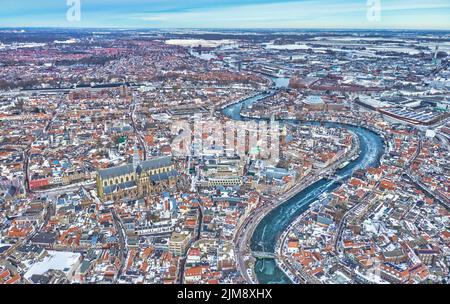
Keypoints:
(150, 17)
(230, 14)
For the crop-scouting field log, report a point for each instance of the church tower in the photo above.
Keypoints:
(136, 159)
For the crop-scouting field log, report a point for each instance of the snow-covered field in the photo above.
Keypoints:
(288, 47)
(202, 42)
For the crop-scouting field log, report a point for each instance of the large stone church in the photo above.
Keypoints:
(138, 179)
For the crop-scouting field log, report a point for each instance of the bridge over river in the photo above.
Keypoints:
(264, 255)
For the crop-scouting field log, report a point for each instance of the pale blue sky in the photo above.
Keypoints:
(394, 14)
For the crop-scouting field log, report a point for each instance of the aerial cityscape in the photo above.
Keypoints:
(224, 156)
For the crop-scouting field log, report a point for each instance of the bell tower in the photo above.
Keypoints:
(136, 159)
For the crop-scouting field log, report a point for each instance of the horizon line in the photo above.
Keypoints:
(225, 28)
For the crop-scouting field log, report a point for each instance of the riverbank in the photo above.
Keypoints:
(281, 263)
(303, 184)
(261, 232)
(266, 235)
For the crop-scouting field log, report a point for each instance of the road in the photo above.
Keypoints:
(123, 252)
(444, 139)
(27, 155)
(64, 189)
(342, 223)
(437, 196)
(415, 179)
(136, 130)
(182, 261)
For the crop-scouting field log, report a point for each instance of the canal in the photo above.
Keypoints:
(275, 222)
